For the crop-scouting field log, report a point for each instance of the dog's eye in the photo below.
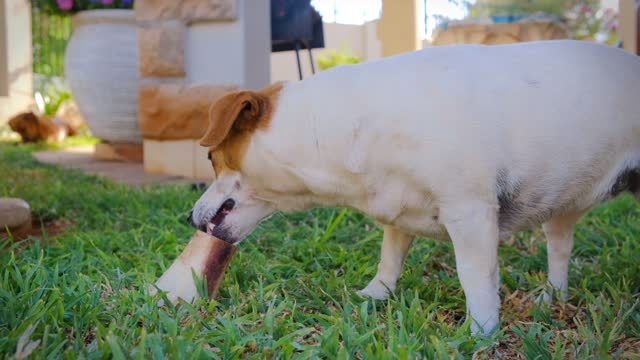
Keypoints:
(209, 155)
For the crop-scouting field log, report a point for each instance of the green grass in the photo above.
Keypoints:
(289, 291)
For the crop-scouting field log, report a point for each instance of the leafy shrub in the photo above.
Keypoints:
(584, 18)
(73, 6)
(50, 92)
(333, 58)
(557, 8)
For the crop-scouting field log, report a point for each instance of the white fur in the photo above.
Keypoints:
(395, 245)
(417, 141)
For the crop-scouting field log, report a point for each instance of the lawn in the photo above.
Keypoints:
(290, 290)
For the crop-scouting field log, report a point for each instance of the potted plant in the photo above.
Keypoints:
(101, 65)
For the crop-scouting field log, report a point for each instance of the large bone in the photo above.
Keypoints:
(208, 256)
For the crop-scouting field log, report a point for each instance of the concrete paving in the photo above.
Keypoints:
(128, 173)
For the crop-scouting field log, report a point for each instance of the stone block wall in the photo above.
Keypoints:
(494, 34)
(186, 11)
(161, 51)
(191, 53)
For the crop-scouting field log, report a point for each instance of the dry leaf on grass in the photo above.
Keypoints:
(25, 346)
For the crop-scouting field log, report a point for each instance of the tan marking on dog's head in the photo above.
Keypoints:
(232, 121)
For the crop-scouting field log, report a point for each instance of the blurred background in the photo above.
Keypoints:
(139, 75)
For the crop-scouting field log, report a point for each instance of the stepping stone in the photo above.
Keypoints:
(129, 173)
(15, 214)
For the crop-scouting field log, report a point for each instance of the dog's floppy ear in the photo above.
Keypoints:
(237, 112)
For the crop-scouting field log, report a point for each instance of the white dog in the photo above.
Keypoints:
(468, 143)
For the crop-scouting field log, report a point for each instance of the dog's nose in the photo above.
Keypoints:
(190, 218)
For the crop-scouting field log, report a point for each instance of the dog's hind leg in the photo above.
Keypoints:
(559, 234)
(395, 245)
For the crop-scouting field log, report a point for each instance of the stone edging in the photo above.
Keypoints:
(110, 16)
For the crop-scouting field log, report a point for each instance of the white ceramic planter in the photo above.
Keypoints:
(101, 67)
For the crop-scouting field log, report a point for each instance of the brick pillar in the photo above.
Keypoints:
(630, 25)
(4, 70)
(398, 27)
(16, 78)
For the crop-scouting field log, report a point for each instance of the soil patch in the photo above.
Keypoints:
(41, 228)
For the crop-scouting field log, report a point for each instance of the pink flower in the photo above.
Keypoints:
(107, 2)
(65, 5)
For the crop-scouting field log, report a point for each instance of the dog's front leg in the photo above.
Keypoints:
(395, 245)
(473, 228)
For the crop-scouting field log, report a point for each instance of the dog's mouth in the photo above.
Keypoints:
(217, 219)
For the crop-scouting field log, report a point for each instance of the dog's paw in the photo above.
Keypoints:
(544, 298)
(549, 294)
(485, 329)
(375, 290)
